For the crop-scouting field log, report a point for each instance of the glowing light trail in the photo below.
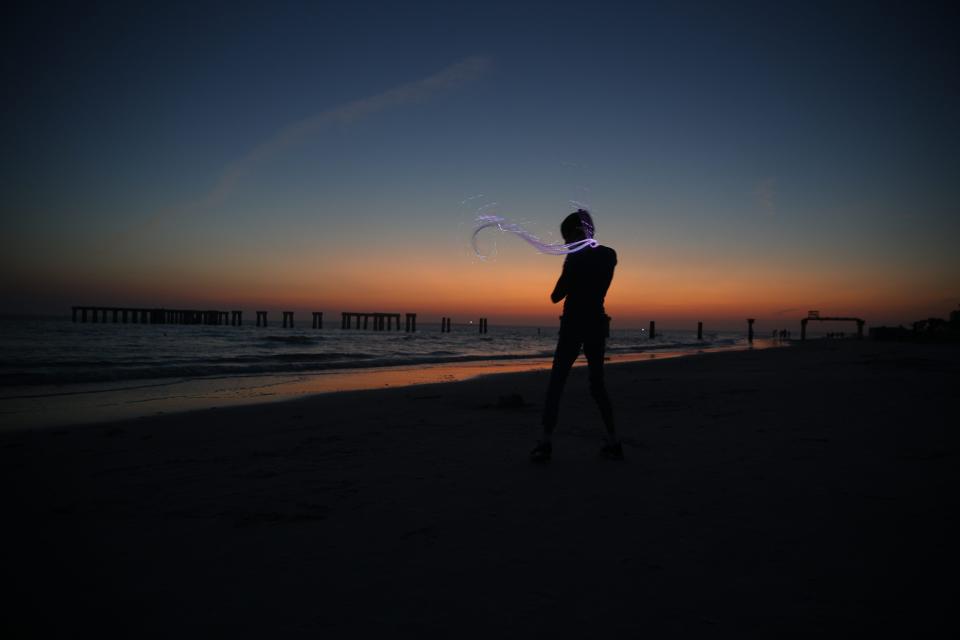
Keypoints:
(553, 249)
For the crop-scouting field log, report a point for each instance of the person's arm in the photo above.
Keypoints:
(560, 291)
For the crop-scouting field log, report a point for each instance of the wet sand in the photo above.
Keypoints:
(798, 490)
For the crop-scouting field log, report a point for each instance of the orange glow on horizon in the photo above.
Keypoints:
(514, 290)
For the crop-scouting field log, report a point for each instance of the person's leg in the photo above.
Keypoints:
(594, 346)
(568, 348)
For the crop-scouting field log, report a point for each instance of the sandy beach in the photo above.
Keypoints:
(790, 491)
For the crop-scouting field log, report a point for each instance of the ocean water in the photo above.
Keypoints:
(57, 372)
(49, 351)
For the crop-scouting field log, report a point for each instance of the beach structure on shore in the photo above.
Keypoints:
(815, 315)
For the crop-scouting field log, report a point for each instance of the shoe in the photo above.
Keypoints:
(612, 451)
(541, 452)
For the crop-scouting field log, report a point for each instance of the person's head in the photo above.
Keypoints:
(577, 226)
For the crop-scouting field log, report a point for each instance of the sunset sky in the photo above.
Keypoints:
(754, 161)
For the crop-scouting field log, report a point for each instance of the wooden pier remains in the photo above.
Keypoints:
(699, 331)
(155, 315)
(445, 324)
(750, 322)
(483, 325)
(161, 315)
(376, 321)
(653, 330)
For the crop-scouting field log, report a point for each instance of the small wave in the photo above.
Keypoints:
(208, 369)
(108, 359)
(291, 339)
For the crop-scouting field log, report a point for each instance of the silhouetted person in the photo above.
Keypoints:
(584, 282)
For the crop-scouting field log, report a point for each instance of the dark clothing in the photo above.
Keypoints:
(573, 336)
(584, 282)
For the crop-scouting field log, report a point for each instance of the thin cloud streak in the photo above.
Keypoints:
(451, 77)
(765, 194)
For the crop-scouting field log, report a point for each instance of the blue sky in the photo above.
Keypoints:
(764, 137)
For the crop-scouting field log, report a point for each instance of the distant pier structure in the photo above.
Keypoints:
(139, 315)
(377, 321)
(159, 315)
(445, 324)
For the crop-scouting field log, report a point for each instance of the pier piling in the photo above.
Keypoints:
(699, 331)
(373, 321)
(750, 322)
(653, 329)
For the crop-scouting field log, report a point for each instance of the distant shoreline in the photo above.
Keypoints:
(303, 317)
